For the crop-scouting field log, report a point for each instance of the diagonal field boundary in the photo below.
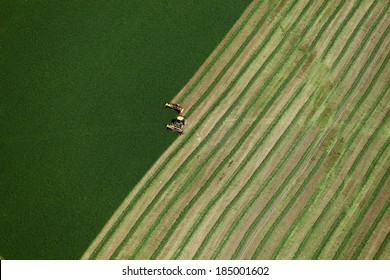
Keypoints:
(267, 112)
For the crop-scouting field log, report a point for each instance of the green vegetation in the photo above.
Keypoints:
(344, 125)
(336, 164)
(172, 155)
(272, 165)
(81, 115)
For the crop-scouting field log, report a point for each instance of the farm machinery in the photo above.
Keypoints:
(176, 107)
(176, 125)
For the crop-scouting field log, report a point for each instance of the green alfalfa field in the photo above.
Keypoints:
(286, 152)
(82, 92)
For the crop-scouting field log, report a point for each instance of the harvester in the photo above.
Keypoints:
(177, 125)
(176, 107)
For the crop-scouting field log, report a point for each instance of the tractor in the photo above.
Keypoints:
(177, 125)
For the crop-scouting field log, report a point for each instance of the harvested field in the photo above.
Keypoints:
(77, 80)
(286, 154)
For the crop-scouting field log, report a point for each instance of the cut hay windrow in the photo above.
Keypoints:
(319, 163)
(237, 220)
(344, 211)
(208, 137)
(222, 246)
(347, 44)
(227, 159)
(227, 136)
(358, 52)
(340, 189)
(286, 182)
(352, 202)
(279, 219)
(314, 197)
(376, 192)
(383, 247)
(269, 178)
(363, 213)
(234, 59)
(288, 207)
(280, 140)
(351, 13)
(258, 144)
(367, 64)
(303, 158)
(378, 220)
(282, 116)
(224, 161)
(241, 248)
(218, 55)
(352, 89)
(236, 172)
(237, 54)
(140, 194)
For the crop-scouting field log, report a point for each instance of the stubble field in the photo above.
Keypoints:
(286, 152)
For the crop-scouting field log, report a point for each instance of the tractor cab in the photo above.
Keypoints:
(177, 125)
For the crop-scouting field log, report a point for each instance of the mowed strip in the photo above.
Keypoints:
(253, 152)
(173, 153)
(239, 136)
(351, 89)
(270, 113)
(246, 70)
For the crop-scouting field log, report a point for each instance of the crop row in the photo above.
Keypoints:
(305, 183)
(218, 56)
(371, 230)
(208, 137)
(198, 171)
(224, 212)
(141, 192)
(239, 219)
(377, 190)
(351, 89)
(337, 194)
(214, 227)
(237, 171)
(227, 136)
(352, 202)
(355, 83)
(286, 157)
(382, 247)
(313, 198)
(236, 148)
(353, 35)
